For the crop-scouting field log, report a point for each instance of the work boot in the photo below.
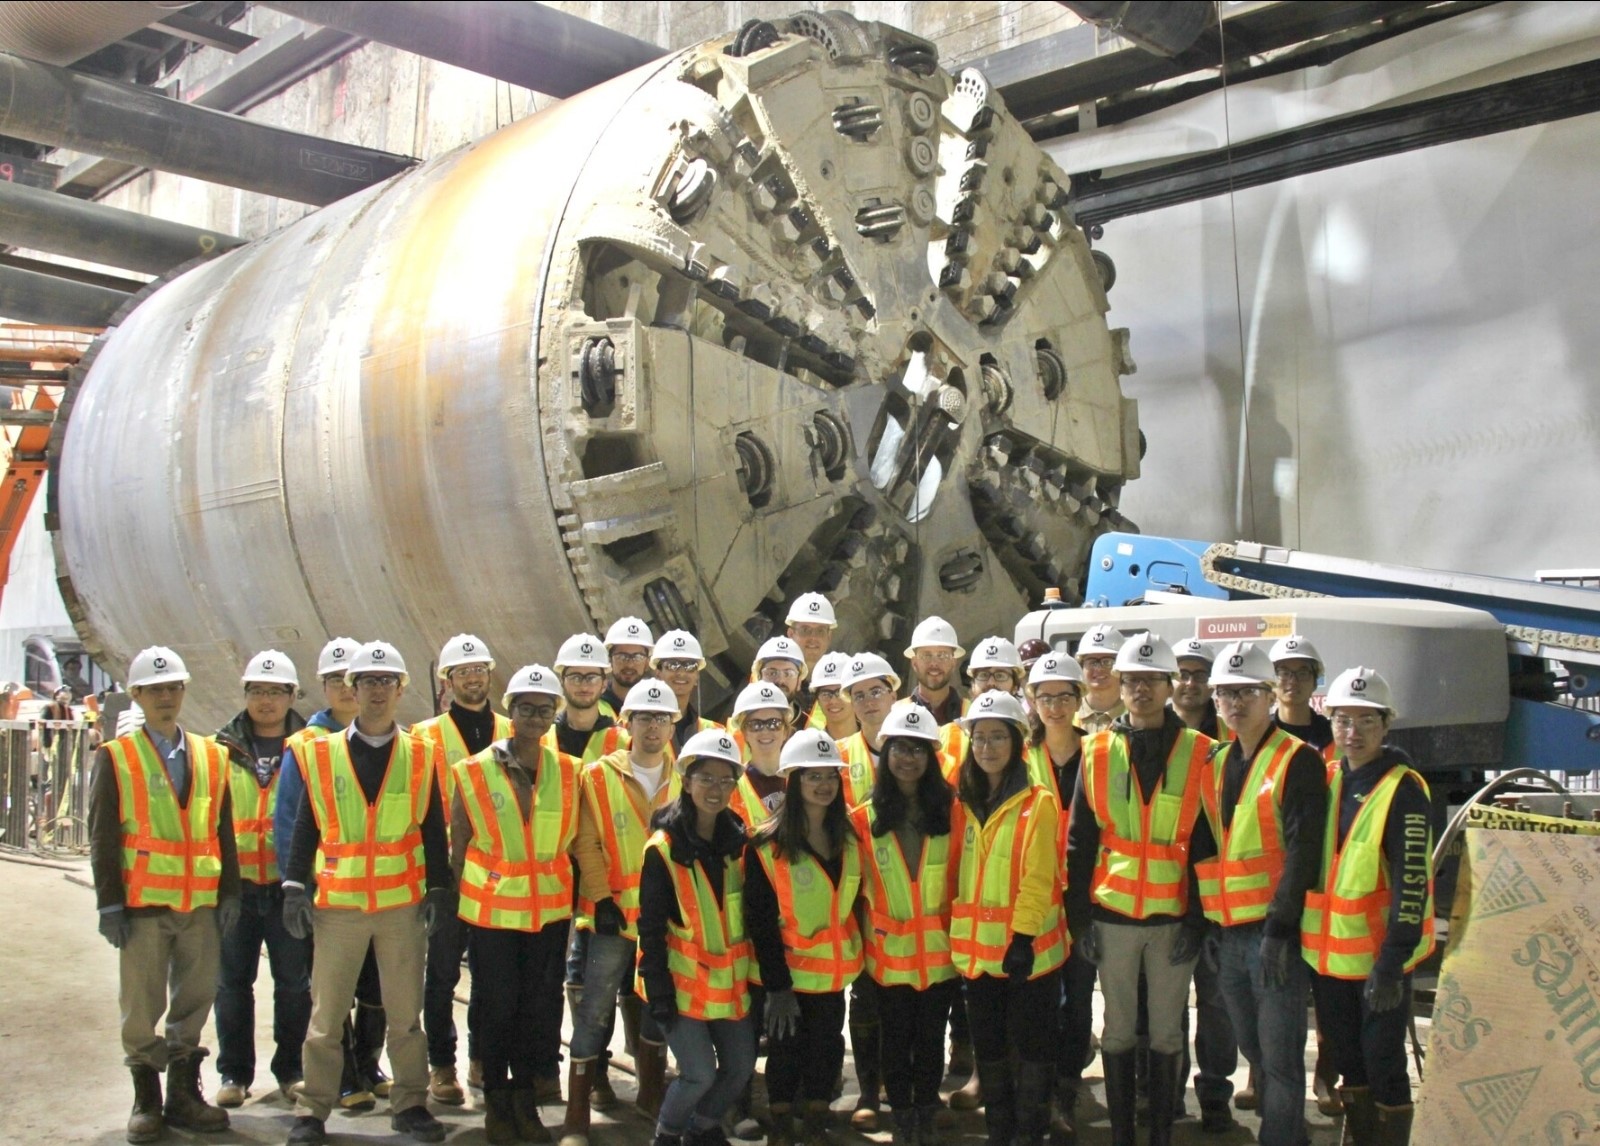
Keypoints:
(867, 1045)
(1063, 1113)
(525, 1108)
(1360, 1117)
(1245, 1098)
(970, 1096)
(417, 1123)
(601, 1095)
(1216, 1120)
(1034, 1081)
(145, 1122)
(186, 1108)
(1119, 1070)
(548, 1087)
(307, 1131)
(961, 1061)
(780, 1124)
(1164, 1084)
(1394, 1125)
(444, 1087)
(1325, 1083)
(354, 1089)
(499, 1118)
(1000, 1100)
(817, 1120)
(629, 1004)
(905, 1129)
(580, 1081)
(231, 1094)
(928, 1130)
(651, 1067)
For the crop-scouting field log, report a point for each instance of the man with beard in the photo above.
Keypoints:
(583, 729)
(627, 644)
(677, 660)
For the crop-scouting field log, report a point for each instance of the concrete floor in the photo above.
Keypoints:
(64, 1081)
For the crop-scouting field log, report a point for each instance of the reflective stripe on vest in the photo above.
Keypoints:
(1042, 772)
(171, 856)
(708, 954)
(908, 917)
(518, 873)
(1237, 886)
(988, 861)
(620, 810)
(748, 806)
(442, 733)
(860, 772)
(601, 742)
(370, 858)
(252, 807)
(821, 938)
(952, 751)
(1143, 869)
(818, 718)
(1347, 915)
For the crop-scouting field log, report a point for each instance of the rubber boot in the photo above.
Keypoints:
(145, 1122)
(928, 1132)
(629, 1005)
(186, 1107)
(817, 1120)
(1164, 1084)
(525, 1112)
(580, 1081)
(1394, 1125)
(651, 1065)
(1119, 1070)
(353, 1092)
(371, 1024)
(780, 1124)
(1064, 1112)
(500, 1118)
(1000, 1101)
(1034, 1081)
(1325, 1082)
(905, 1131)
(866, 1043)
(1360, 1117)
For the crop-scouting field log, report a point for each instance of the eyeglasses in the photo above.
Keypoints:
(168, 688)
(919, 749)
(1088, 663)
(828, 693)
(527, 711)
(769, 724)
(820, 776)
(726, 783)
(1289, 676)
(1366, 722)
(648, 719)
(335, 678)
(583, 679)
(678, 666)
(629, 658)
(1241, 695)
(993, 676)
(377, 682)
(268, 693)
(1055, 699)
(779, 672)
(1194, 676)
(992, 740)
(1143, 683)
(806, 629)
(869, 695)
(470, 672)
(935, 656)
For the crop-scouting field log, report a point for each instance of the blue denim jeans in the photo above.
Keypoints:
(1270, 1026)
(715, 1061)
(261, 924)
(609, 966)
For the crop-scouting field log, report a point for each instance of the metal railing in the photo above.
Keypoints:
(44, 783)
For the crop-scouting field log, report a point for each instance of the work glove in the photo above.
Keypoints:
(665, 1013)
(1211, 949)
(1018, 963)
(1384, 991)
(228, 914)
(115, 927)
(437, 906)
(783, 1015)
(1276, 954)
(1186, 947)
(608, 918)
(1089, 945)
(297, 912)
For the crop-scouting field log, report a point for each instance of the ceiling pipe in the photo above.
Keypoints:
(61, 225)
(30, 296)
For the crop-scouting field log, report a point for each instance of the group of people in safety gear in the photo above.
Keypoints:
(845, 854)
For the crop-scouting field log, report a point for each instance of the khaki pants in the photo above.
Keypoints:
(168, 966)
(1125, 951)
(340, 945)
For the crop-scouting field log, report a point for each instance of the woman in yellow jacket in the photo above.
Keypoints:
(1008, 936)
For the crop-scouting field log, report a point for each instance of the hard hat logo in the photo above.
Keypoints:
(586, 648)
(824, 747)
(633, 630)
(677, 642)
(725, 744)
(815, 606)
(858, 666)
(1146, 651)
(1358, 685)
(160, 664)
(913, 718)
(991, 650)
(1099, 638)
(268, 665)
(338, 654)
(468, 647)
(379, 654)
(1236, 661)
(654, 694)
(987, 701)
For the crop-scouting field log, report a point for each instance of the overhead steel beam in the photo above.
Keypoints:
(28, 296)
(48, 221)
(524, 43)
(1540, 98)
(50, 105)
(74, 273)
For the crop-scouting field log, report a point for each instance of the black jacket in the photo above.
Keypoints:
(658, 898)
(1407, 851)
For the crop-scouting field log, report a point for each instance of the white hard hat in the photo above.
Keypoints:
(811, 608)
(780, 649)
(532, 679)
(377, 657)
(156, 665)
(1242, 663)
(1359, 687)
(761, 694)
(1295, 647)
(271, 667)
(629, 631)
(830, 671)
(650, 695)
(908, 718)
(1192, 649)
(1055, 666)
(993, 653)
(1099, 641)
(869, 666)
(934, 632)
(463, 649)
(677, 645)
(995, 706)
(1146, 653)
(582, 650)
(336, 655)
(709, 744)
(811, 748)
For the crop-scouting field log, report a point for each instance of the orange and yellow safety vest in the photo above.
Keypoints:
(821, 938)
(171, 853)
(370, 858)
(252, 807)
(908, 915)
(441, 732)
(708, 954)
(991, 862)
(1236, 887)
(620, 810)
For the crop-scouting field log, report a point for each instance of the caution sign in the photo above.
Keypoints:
(1256, 627)
(1514, 1053)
